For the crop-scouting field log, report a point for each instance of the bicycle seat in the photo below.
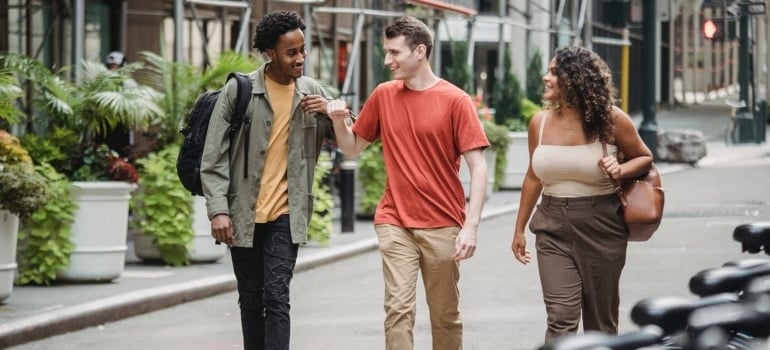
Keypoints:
(753, 236)
(746, 263)
(592, 340)
(671, 313)
(749, 318)
(725, 279)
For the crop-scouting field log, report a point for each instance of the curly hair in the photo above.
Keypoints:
(587, 84)
(414, 31)
(273, 25)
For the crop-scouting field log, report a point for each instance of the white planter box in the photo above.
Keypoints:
(202, 248)
(9, 231)
(465, 174)
(99, 231)
(518, 161)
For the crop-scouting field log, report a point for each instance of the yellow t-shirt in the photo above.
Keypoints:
(273, 199)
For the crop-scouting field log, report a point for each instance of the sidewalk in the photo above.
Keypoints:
(33, 312)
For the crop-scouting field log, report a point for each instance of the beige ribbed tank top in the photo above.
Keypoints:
(571, 171)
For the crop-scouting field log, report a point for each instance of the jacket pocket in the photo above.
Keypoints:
(310, 141)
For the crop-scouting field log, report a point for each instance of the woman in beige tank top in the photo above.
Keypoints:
(580, 238)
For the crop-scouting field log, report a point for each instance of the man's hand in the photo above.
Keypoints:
(222, 229)
(337, 110)
(313, 104)
(465, 244)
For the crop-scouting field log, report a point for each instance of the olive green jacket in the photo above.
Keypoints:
(226, 189)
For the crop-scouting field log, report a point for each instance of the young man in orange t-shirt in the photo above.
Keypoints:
(425, 124)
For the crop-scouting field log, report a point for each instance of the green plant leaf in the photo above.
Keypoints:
(168, 221)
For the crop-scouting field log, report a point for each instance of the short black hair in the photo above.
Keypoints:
(273, 25)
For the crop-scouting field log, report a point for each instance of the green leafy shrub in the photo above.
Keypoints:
(535, 73)
(506, 98)
(497, 135)
(371, 175)
(44, 237)
(22, 189)
(528, 109)
(458, 71)
(9, 92)
(162, 207)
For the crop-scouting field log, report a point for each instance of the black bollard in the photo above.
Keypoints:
(347, 200)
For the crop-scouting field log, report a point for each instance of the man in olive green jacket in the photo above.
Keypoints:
(259, 197)
(227, 191)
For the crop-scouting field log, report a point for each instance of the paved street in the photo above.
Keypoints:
(338, 306)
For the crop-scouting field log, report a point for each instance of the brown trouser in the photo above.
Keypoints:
(405, 252)
(581, 250)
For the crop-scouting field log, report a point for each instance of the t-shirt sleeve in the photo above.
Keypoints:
(468, 128)
(367, 125)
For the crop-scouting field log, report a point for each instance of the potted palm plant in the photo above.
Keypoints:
(78, 115)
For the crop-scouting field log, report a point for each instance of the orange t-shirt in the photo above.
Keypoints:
(424, 134)
(273, 199)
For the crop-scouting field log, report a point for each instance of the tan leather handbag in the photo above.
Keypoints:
(642, 199)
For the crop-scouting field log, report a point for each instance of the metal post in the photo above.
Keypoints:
(178, 30)
(78, 35)
(625, 58)
(308, 67)
(744, 120)
(347, 195)
(648, 130)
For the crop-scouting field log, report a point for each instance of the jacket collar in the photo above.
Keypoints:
(258, 82)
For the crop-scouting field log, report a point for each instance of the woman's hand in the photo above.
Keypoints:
(519, 248)
(611, 166)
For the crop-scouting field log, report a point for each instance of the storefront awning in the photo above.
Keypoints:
(463, 7)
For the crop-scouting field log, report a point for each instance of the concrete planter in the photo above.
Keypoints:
(9, 232)
(202, 248)
(99, 231)
(518, 161)
(465, 174)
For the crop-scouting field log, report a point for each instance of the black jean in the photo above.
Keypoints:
(263, 274)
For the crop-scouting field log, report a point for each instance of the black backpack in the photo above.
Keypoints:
(188, 163)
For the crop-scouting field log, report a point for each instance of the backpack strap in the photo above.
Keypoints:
(242, 100)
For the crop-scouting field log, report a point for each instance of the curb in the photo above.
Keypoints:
(109, 309)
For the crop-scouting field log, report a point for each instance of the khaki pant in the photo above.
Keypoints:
(581, 251)
(405, 252)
